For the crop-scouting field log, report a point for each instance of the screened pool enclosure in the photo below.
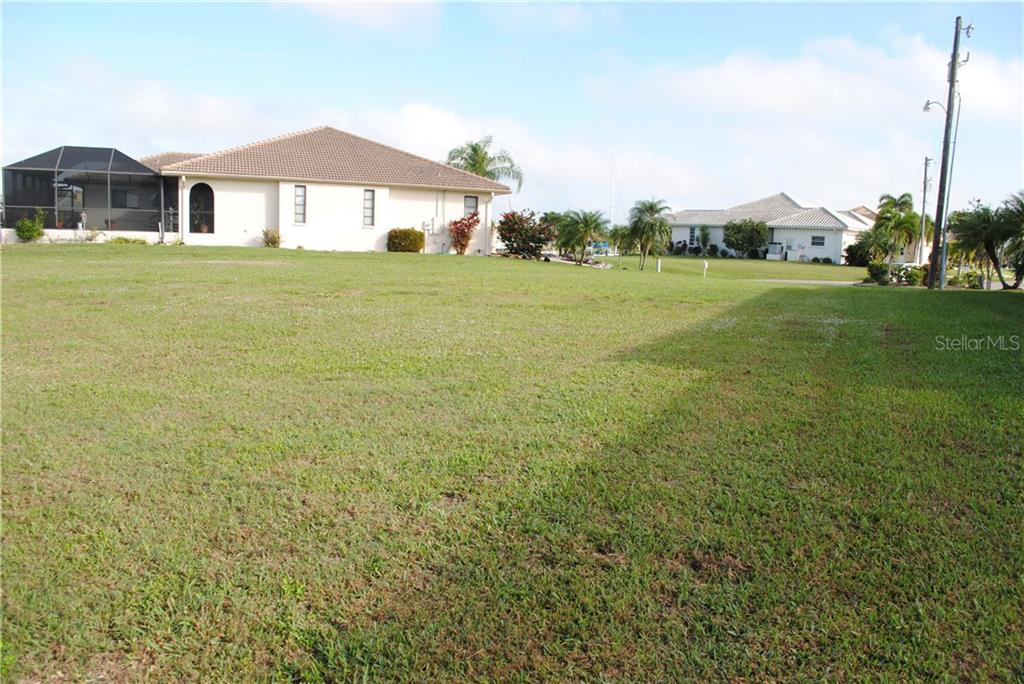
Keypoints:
(90, 188)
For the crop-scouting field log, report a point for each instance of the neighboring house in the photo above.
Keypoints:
(796, 232)
(322, 188)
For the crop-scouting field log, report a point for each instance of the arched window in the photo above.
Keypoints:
(200, 209)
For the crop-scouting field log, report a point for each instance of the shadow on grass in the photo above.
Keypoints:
(834, 496)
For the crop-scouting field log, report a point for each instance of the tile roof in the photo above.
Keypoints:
(778, 211)
(162, 159)
(328, 155)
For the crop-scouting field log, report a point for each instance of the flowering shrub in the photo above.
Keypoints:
(462, 231)
(271, 237)
(523, 234)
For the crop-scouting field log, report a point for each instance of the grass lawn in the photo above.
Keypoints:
(246, 464)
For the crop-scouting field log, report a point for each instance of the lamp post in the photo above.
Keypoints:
(949, 181)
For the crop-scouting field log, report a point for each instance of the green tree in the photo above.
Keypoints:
(649, 226)
(476, 157)
(578, 229)
(705, 239)
(622, 239)
(877, 242)
(898, 220)
(745, 235)
(990, 231)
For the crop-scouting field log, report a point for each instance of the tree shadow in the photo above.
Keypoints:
(825, 493)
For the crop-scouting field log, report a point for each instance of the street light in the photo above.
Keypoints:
(945, 209)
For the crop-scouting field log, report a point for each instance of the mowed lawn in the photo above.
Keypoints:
(250, 464)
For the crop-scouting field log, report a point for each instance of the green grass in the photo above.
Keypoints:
(245, 464)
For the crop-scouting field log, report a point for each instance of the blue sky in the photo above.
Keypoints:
(702, 105)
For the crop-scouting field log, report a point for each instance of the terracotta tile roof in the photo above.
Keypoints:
(328, 155)
(162, 159)
(778, 211)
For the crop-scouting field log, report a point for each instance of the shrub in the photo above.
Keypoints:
(754, 253)
(858, 254)
(679, 248)
(914, 275)
(523, 234)
(878, 271)
(746, 236)
(713, 249)
(827, 260)
(271, 237)
(31, 229)
(122, 240)
(405, 240)
(462, 232)
(695, 250)
(815, 260)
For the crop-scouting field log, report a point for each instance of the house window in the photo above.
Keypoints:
(124, 199)
(469, 205)
(300, 203)
(817, 241)
(693, 235)
(368, 207)
(789, 243)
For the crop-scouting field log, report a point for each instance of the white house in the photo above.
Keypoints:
(321, 188)
(796, 232)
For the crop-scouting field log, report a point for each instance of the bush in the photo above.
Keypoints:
(713, 249)
(271, 237)
(405, 240)
(858, 254)
(523, 234)
(815, 260)
(695, 250)
(462, 232)
(878, 271)
(122, 240)
(827, 260)
(679, 248)
(746, 236)
(754, 253)
(914, 275)
(31, 229)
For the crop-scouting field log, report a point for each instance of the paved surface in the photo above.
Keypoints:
(808, 282)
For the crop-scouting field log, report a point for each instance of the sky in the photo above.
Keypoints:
(702, 105)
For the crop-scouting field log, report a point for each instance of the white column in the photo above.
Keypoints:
(183, 217)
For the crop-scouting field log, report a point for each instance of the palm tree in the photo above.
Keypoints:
(623, 240)
(985, 230)
(476, 157)
(878, 242)
(648, 223)
(578, 229)
(898, 220)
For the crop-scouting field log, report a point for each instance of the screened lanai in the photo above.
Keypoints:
(89, 188)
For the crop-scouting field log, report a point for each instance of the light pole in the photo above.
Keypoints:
(949, 182)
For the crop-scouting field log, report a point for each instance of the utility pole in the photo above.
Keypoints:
(954, 62)
(924, 211)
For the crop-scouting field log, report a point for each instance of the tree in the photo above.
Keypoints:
(987, 230)
(898, 220)
(578, 229)
(622, 239)
(857, 254)
(1013, 214)
(649, 226)
(523, 234)
(31, 229)
(476, 157)
(876, 242)
(745, 235)
(705, 238)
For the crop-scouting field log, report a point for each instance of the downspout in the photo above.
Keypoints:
(183, 208)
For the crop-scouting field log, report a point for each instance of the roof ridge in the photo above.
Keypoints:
(410, 154)
(790, 198)
(238, 148)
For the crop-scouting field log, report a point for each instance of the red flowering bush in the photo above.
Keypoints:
(462, 231)
(523, 234)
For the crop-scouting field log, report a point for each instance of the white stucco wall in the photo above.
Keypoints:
(800, 239)
(334, 217)
(241, 210)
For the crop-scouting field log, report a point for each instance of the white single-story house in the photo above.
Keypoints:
(796, 232)
(322, 188)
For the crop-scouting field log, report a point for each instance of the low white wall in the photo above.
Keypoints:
(66, 235)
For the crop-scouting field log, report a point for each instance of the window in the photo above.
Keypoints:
(789, 243)
(469, 205)
(200, 209)
(693, 235)
(300, 203)
(368, 207)
(124, 199)
(817, 241)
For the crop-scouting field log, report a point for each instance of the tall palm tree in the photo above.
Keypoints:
(578, 229)
(648, 222)
(878, 242)
(476, 157)
(898, 220)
